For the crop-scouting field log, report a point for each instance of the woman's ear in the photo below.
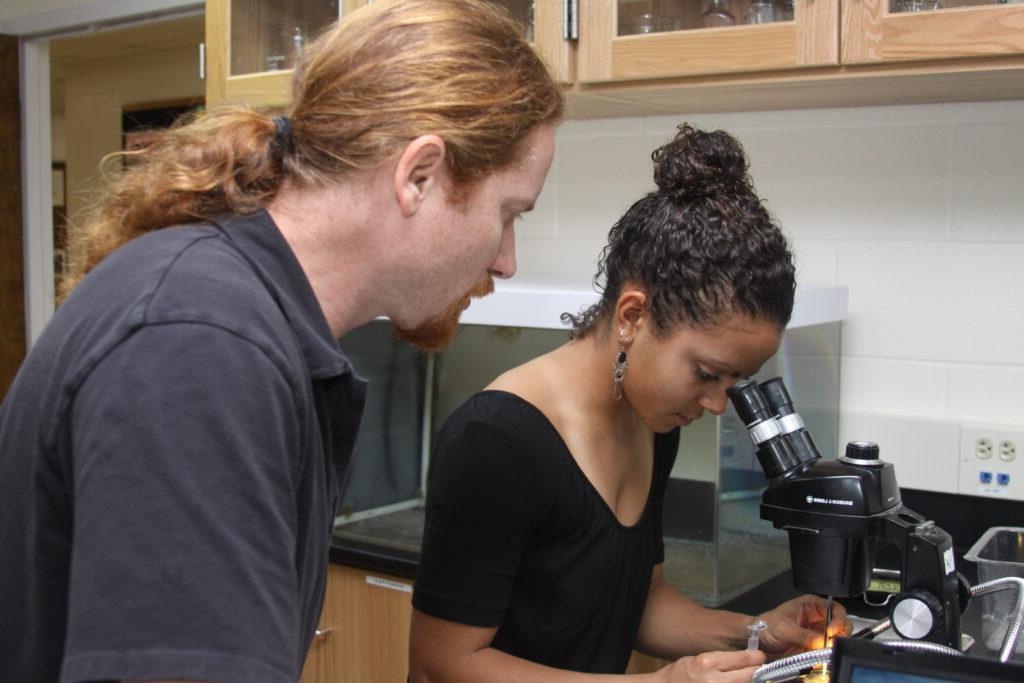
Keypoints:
(419, 169)
(630, 311)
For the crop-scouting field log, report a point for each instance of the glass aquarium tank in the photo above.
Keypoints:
(716, 545)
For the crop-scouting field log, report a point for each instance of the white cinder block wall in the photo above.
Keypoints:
(919, 210)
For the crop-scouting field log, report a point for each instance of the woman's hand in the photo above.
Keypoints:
(718, 667)
(798, 625)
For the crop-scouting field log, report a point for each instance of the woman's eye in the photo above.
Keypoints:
(704, 376)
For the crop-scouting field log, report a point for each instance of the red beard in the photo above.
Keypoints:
(439, 332)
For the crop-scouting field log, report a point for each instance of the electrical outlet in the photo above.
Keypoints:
(1007, 450)
(989, 463)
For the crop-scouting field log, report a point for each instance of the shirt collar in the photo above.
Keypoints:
(259, 238)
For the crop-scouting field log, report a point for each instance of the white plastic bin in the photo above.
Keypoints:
(998, 553)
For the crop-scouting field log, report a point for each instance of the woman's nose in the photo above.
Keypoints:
(714, 403)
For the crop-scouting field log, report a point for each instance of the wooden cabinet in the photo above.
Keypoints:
(613, 50)
(251, 44)
(638, 57)
(364, 630)
(549, 37)
(872, 33)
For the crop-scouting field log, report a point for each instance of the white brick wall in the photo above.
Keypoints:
(918, 209)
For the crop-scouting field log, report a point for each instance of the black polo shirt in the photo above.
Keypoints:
(171, 459)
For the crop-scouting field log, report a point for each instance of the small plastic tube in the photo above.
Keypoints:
(754, 633)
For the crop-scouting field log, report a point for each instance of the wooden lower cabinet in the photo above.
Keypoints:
(364, 629)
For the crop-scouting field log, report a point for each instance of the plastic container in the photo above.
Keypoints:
(998, 553)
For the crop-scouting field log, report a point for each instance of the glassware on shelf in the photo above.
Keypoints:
(760, 12)
(655, 23)
(717, 14)
(529, 21)
(268, 36)
(914, 5)
(784, 10)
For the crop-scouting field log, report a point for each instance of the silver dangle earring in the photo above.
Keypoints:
(619, 367)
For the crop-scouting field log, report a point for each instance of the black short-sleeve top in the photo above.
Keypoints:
(517, 538)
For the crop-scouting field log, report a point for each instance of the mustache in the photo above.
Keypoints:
(482, 288)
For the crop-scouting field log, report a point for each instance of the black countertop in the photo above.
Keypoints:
(374, 558)
(360, 544)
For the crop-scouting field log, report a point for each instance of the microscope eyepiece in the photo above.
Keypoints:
(777, 397)
(749, 402)
(773, 452)
(790, 423)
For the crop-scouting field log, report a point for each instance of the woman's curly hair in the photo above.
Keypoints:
(702, 245)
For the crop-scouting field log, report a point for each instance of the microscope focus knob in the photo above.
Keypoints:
(916, 615)
(861, 453)
(862, 450)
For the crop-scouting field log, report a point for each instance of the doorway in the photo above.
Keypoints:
(108, 89)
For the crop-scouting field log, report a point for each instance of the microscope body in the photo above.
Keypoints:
(836, 511)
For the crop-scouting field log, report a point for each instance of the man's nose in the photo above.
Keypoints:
(504, 265)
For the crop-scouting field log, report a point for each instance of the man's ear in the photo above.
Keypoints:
(420, 169)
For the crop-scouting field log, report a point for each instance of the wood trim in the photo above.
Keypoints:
(705, 51)
(817, 32)
(218, 23)
(995, 78)
(860, 30)
(12, 273)
(597, 31)
(270, 89)
(871, 34)
(559, 53)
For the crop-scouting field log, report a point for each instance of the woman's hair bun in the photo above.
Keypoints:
(698, 164)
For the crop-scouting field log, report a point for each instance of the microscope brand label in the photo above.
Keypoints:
(829, 501)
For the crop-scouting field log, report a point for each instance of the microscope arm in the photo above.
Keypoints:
(933, 593)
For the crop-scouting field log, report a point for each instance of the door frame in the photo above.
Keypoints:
(36, 31)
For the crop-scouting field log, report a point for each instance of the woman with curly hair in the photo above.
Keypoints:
(542, 554)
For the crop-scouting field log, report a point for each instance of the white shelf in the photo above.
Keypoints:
(542, 307)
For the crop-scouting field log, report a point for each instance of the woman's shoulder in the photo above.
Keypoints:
(499, 411)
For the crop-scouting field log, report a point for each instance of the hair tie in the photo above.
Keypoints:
(283, 133)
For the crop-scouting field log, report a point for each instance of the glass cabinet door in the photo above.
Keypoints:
(636, 39)
(267, 35)
(904, 30)
(658, 16)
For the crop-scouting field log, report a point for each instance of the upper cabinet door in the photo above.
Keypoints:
(252, 45)
(908, 30)
(623, 40)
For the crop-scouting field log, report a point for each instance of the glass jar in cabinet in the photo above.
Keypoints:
(879, 31)
(253, 45)
(625, 40)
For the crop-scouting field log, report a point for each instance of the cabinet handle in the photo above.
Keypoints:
(321, 633)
